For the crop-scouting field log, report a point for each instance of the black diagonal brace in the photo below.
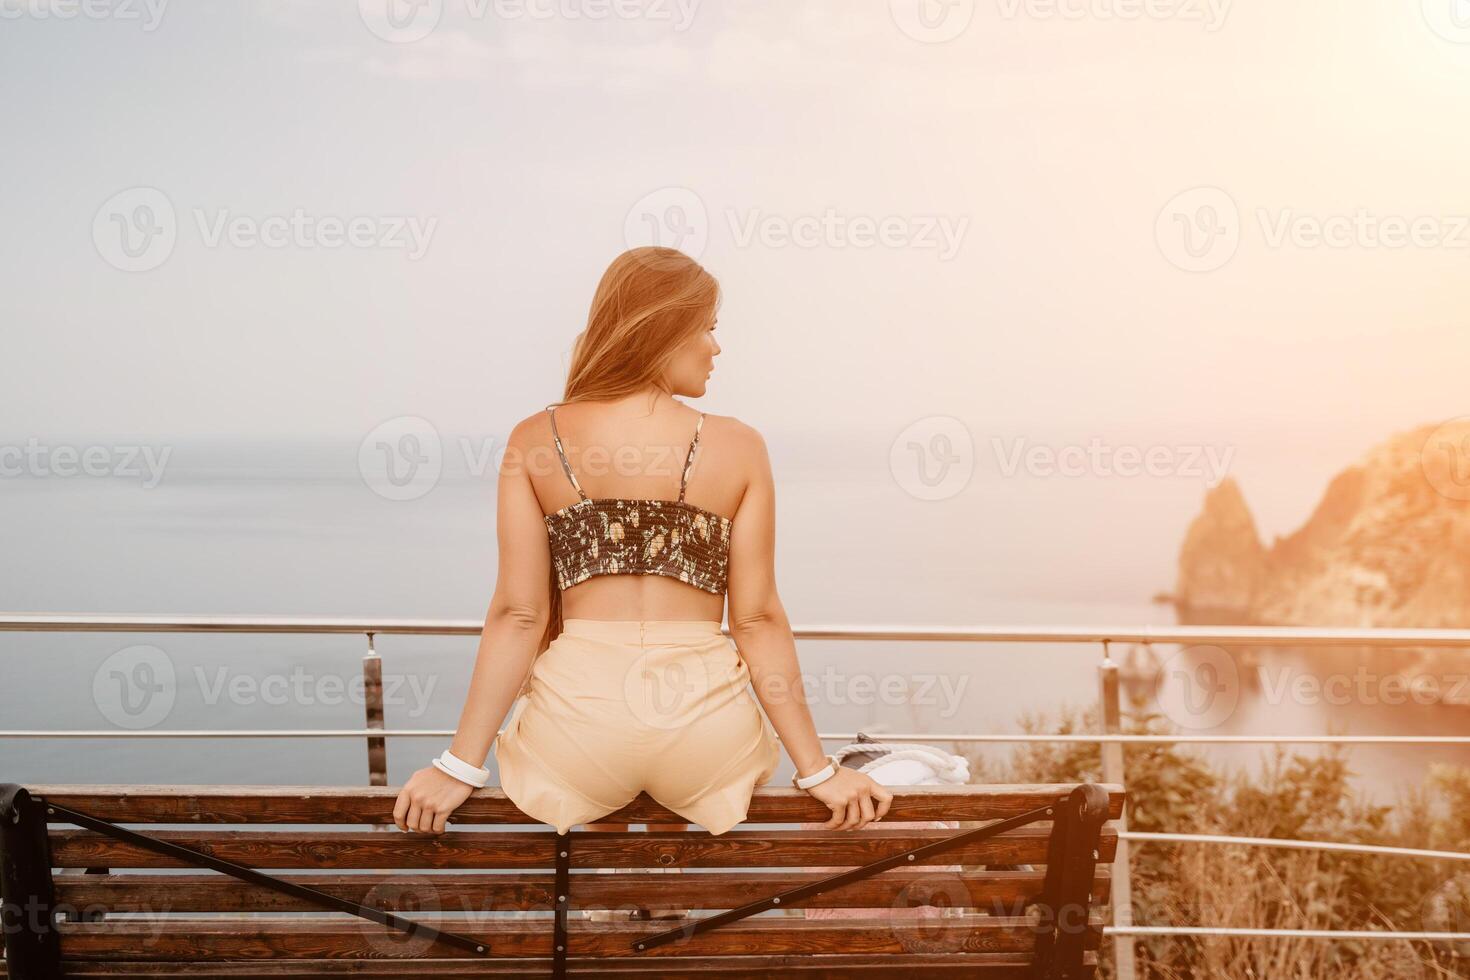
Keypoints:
(563, 899)
(203, 860)
(784, 899)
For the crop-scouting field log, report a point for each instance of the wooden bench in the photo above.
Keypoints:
(82, 903)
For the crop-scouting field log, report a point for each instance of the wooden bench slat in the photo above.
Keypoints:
(144, 892)
(528, 849)
(991, 966)
(253, 938)
(374, 805)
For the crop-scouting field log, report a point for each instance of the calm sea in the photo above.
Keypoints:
(295, 530)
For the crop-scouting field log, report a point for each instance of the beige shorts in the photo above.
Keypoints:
(615, 707)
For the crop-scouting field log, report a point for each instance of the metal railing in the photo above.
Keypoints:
(1217, 635)
(1111, 738)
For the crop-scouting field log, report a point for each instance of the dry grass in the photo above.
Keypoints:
(1292, 796)
(1253, 889)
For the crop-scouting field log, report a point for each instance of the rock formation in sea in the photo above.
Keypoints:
(1388, 545)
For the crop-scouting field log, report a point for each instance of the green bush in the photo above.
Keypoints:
(1297, 795)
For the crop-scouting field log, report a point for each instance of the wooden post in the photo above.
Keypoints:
(372, 691)
(1066, 892)
(33, 944)
(1113, 772)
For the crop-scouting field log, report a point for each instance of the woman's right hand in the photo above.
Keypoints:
(427, 799)
(854, 798)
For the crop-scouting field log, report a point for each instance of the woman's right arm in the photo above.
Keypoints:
(762, 634)
(514, 624)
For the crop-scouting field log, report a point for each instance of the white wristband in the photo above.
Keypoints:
(452, 765)
(818, 777)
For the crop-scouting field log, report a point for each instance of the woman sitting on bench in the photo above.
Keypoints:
(630, 683)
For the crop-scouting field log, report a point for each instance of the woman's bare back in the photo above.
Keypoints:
(635, 449)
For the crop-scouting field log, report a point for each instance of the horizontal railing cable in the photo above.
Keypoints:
(1216, 635)
(1297, 845)
(1244, 932)
(825, 736)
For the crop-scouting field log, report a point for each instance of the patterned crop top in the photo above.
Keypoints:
(621, 536)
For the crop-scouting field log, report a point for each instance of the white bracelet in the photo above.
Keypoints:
(455, 766)
(818, 777)
(451, 765)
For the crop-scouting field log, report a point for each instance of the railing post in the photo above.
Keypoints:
(1114, 772)
(372, 698)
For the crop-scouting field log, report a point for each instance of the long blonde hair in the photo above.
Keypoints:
(650, 301)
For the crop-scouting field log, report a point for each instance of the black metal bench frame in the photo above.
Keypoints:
(29, 912)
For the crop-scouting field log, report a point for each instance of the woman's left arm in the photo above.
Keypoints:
(514, 624)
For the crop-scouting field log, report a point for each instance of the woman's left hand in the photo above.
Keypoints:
(427, 799)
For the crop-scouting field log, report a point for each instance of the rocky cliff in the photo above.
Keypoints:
(1388, 545)
(1222, 567)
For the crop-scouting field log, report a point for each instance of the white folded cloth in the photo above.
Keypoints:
(904, 764)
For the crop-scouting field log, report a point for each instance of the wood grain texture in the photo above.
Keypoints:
(374, 804)
(990, 966)
(465, 850)
(993, 891)
(227, 938)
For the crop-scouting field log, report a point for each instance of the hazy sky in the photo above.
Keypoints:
(1091, 218)
(957, 239)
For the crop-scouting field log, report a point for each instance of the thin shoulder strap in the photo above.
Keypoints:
(563, 454)
(688, 460)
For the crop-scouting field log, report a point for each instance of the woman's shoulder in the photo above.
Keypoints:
(532, 430)
(732, 431)
(740, 448)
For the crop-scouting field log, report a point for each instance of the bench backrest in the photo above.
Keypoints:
(1025, 902)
